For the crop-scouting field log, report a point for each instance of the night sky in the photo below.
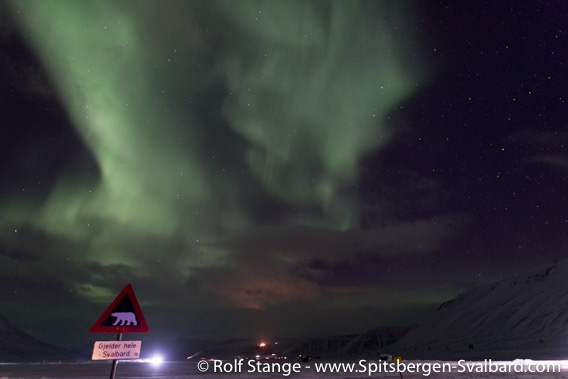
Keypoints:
(275, 168)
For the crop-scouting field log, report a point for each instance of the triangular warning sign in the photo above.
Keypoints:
(122, 316)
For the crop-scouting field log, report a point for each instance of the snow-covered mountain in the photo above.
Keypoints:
(373, 341)
(16, 346)
(522, 317)
(365, 344)
(320, 347)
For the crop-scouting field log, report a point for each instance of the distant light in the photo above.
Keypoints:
(156, 360)
(262, 344)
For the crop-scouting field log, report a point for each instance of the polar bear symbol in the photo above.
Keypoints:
(125, 318)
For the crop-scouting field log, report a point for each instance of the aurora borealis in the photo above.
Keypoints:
(273, 167)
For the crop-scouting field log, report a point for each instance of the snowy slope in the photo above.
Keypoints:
(365, 344)
(16, 346)
(522, 317)
(320, 347)
(373, 341)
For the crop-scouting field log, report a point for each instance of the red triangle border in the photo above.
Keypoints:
(142, 326)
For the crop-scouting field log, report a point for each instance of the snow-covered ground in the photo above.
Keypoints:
(292, 369)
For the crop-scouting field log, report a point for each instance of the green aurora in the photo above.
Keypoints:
(218, 133)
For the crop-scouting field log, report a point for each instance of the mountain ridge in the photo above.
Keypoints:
(16, 346)
(525, 316)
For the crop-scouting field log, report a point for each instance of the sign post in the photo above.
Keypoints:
(115, 361)
(123, 315)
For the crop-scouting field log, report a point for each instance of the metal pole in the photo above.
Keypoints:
(115, 361)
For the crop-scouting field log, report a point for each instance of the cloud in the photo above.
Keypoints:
(272, 265)
(559, 160)
(412, 237)
(546, 147)
(255, 288)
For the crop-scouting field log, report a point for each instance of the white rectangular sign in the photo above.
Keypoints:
(116, 350)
